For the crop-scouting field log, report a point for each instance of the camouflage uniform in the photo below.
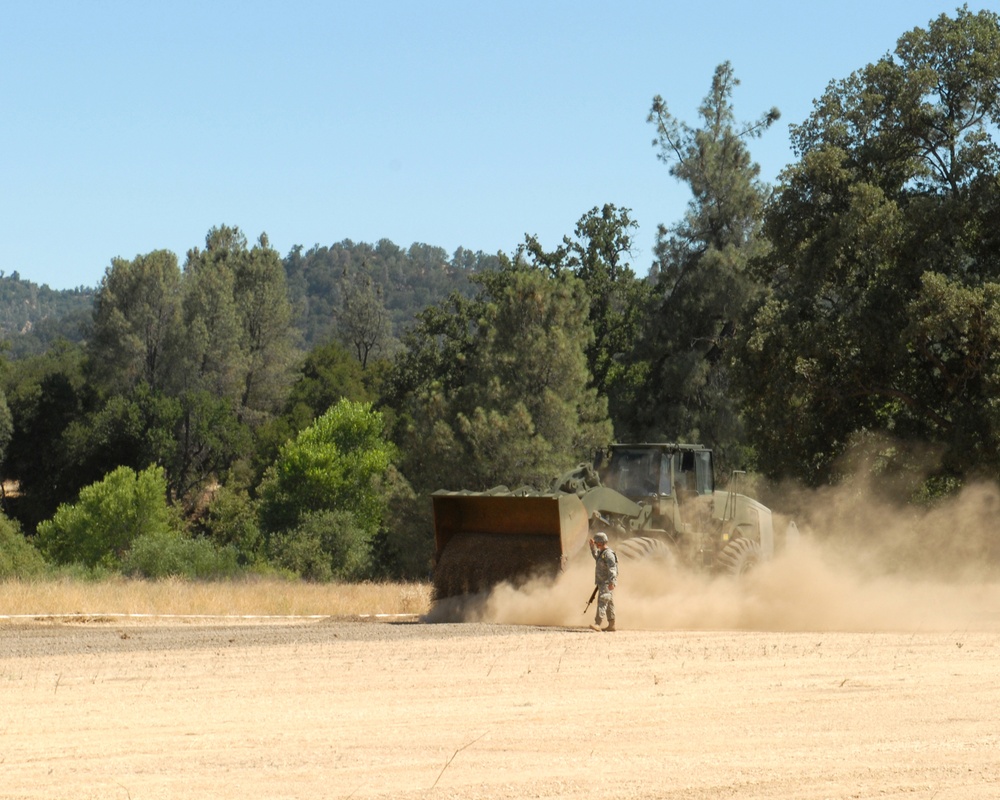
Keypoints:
(605, 576)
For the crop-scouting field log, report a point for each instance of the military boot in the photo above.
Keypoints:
(611, 627)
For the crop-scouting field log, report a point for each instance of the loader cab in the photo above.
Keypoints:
(694, 471)
(645, 471)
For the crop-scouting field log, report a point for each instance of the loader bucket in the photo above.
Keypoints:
(486, 539)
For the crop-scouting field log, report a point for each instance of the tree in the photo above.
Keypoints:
(267, 338)
(363, 323)
(496, 390)
(212, 350)
(208, 437)
(619, 300)
(531, 355)
(434, 351)
(332, 467)
(6, 425)
(138, 364)
(108, 517)
(231, 521)
(327, 374)
(19, 559)
(181, 371)
(239, 351)
(46, 394)
(131, 430)
(136, 323)
(239, 322)
(703, 285)
(881, 315)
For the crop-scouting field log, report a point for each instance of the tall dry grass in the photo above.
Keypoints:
(225, 598)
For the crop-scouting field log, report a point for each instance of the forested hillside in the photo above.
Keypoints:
(243, 411)
(404, 281)
(32, 317)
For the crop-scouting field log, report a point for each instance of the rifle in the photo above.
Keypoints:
(593, 594)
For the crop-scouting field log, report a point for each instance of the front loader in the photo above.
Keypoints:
(655, 501)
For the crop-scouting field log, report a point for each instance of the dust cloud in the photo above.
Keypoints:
(862, 564)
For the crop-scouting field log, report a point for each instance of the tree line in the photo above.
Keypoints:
(293, 414)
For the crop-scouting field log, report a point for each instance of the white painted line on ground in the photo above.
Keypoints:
(116, 615)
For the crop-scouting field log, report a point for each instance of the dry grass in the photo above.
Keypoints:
(236, 598)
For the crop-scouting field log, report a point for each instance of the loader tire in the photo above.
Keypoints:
(645, 548)
(740, 556)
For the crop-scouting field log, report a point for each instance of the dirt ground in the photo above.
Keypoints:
(800, 683)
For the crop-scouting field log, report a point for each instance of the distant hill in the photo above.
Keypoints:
(410, 279)
(32, 317)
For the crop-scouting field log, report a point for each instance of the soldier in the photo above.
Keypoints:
(605, 576)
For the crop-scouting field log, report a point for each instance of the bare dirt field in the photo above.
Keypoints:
(801, 682)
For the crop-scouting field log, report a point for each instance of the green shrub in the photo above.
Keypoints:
(231, 522)
(18, 557)
(108, 517)
(404, 547)
(326, 545)
(164, 554)
(333, 464)
(326, 488)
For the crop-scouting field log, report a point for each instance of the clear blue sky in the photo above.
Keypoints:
(129, 127)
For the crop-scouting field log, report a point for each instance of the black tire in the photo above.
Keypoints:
(740, 556)
(644, 548)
